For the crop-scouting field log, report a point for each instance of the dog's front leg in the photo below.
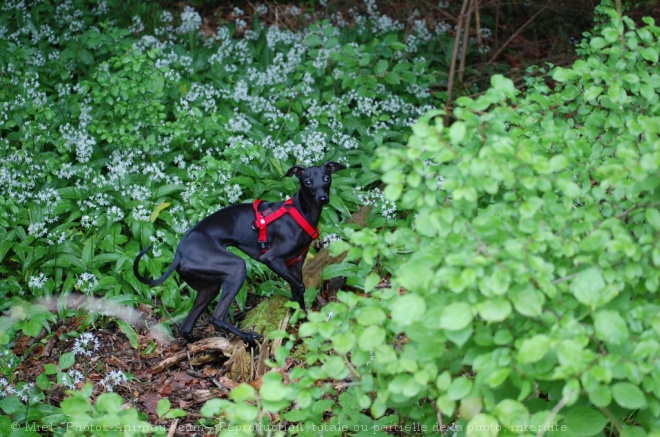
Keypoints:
(291, 274)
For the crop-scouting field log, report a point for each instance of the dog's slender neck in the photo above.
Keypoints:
(308, 207)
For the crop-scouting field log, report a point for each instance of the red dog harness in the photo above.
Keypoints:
(268, 216)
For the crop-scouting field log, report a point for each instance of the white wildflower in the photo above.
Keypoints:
(86, 344)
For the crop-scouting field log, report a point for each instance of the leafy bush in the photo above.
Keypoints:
(524, 279)
(119, 130)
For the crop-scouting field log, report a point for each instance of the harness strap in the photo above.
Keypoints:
(263, 219)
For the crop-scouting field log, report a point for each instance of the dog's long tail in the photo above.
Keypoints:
(152, 282)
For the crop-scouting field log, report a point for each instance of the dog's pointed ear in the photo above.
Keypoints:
(331, 167)
(296, 170)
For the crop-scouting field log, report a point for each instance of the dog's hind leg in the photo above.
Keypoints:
(208, 273)
(207, 290)
(233, 275)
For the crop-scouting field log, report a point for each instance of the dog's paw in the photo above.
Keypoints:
(188, 337)
(250, 337)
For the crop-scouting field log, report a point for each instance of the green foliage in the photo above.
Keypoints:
(524, 277)
(107, 417)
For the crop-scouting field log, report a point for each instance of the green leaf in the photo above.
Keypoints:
(459, 388)
(343, 343)
(494, 310)
(67, 360)
(483, 425)
(457, 132)
(313, 40)
(243, 393)
(584, 422)
(130, 333)
(504, 84)
(109, 403)
(163, 407)
(600, 396)
(598, 43)
(588, 287)
(527, 300)
(628, 396)
(653, 217)
(272, 388)
(511, 413)
(370, 315)
(408, 309)
(371, 337)
(381, 67)
(456, 316)
(610, 327)
(213, 407)
(534, 348)
(446, 405)
(371, 281)
(650, 54)
(337, 270)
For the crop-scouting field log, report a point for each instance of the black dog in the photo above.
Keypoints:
(277, 234)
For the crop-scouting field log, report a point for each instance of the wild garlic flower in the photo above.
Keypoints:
(113, 379)
(74, 378)
(86, 282)
(38, 282)
(190, 21)
(86, 344)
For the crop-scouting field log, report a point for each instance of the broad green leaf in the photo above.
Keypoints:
(67, 360)
(583, 421)
(344, 342)
(571, 391)
(628, 396)
(494, 310)
(610, 327)
(653, 217)
(313, 40)
(483, 425)
(459, 388)
(109, 403)
(457, 132)
(588, 287)
(408, 309)
(600, 396)
(456, 316)
(502, 83)
(371, 281)
(370, 315)
(534, 348)
(598, 43)
(470, 407)
(650, 54)
(163, 407)
(511, 413)
(272, 388)
(371, 337)
(527, 300)
(496, 378)
(243, 393)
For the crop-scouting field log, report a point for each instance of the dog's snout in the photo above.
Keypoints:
(323, 199)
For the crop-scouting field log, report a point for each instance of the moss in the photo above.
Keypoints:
(267, 316)
(299, 353)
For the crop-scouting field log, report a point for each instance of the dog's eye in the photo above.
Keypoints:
(308, 182)
(326, 178)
